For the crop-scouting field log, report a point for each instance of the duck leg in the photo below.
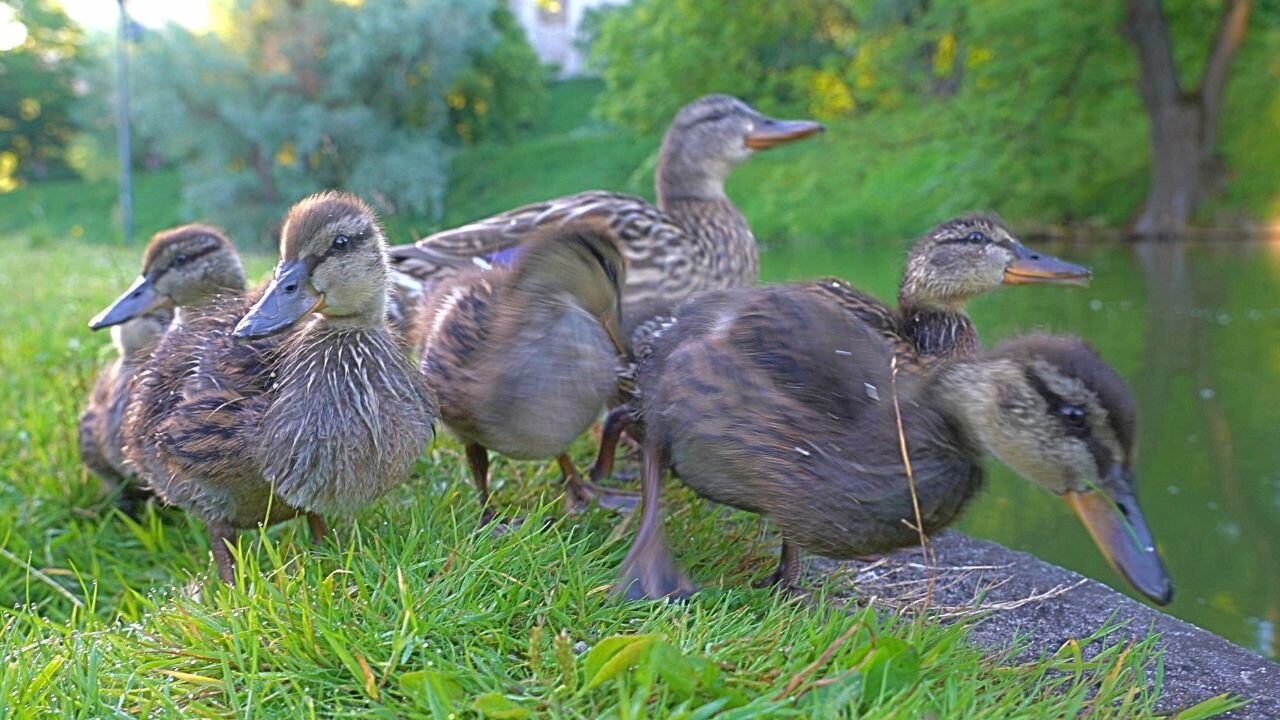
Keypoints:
(616, 423)
(478, 460)
(221, 537)
(786, 578)
(318, 528)
(579, 493)
(649, 572)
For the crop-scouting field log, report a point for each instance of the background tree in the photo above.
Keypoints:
(1027, 106)
(290, 96)
(37, 89)
(1185, 164)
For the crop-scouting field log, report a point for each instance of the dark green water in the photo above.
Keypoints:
(1195, 329)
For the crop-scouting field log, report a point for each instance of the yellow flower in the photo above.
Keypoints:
(831, 96)
(286, 155)
(979, 55)
(29, 109)
(944, 56)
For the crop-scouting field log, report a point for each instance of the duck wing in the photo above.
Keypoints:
(661, 263)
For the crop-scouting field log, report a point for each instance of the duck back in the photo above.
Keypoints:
(776, 402)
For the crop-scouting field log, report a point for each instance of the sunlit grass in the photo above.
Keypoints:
(417, 611)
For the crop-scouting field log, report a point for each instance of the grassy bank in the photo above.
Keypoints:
(417, 612)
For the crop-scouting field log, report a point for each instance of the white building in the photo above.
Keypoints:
(552, 29)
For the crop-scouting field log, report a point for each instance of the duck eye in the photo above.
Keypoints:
(977, 237)
(341, 241)
(1075, 417)
(179, 259)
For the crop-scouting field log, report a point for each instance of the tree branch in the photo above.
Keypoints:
(1145, 27)
(1232, 26)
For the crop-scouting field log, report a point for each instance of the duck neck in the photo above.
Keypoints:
(966, 391)
(937, 331)
(680, 179)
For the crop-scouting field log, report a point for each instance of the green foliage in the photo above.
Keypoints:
(503, 92)
(37, 88)
(289, 98)
(769, 52)
(1028, 107)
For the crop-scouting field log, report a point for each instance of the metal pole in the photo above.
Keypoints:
(122, 125)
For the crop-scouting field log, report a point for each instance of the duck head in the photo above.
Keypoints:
(188, 266)
(333, 261)
(974, 254)
(1054, 412)
(711, 136)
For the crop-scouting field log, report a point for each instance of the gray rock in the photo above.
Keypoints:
(1046, 605)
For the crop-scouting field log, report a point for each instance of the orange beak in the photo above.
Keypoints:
(1037, 268)
(1120, 532)
(770, 133)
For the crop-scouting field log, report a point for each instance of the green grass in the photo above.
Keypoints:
(417, 612)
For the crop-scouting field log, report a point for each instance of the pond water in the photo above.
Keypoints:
(1194, 327)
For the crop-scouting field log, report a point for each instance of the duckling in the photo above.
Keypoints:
(780, 402)
(524, 358)
(240, 422)
(101, 438)
(953, 263)
(694, 240)
(183, 269)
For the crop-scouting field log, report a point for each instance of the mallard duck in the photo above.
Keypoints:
(953, 263)
(694, 240)
(183, 268)
(101, 440)
(186, 267)
(242, 423)
(780, 402)
(524, 358)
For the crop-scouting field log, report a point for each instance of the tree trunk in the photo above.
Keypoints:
(1185, 166)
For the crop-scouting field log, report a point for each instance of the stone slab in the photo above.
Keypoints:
(1047, 605)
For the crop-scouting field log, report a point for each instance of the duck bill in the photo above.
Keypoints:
(769, 132)
(1037, 268)
(289, 298)
(1120, 532)
(141, 298)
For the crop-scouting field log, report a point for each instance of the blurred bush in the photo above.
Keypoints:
(287, 97)
(504, 91)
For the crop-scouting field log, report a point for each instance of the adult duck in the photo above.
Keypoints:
(695, 239)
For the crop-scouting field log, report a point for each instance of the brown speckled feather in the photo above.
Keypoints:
(101, 424)
(920, 336)
(777, 401)
(319, 416)
(520, 364)
(695, 245)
